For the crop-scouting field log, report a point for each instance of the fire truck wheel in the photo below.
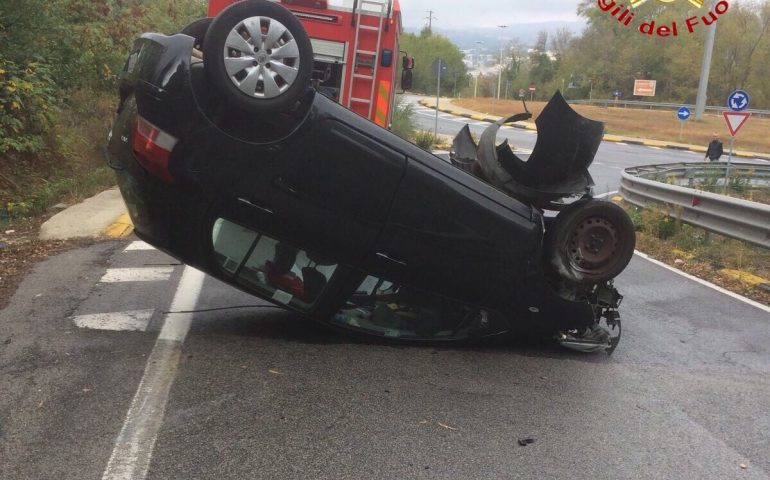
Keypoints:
(197, 30)
(590, 242)
(259, 57)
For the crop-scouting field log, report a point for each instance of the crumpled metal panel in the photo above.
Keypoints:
(558, 167)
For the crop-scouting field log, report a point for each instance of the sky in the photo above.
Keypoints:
(458, 14)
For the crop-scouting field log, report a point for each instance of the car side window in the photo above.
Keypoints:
(388, 309)
(269, 267)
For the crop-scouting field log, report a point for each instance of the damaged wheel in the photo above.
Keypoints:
(258, 55)
(590, 242)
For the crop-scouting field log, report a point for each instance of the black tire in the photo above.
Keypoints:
(272, 66)
(590, 242)
(197, 30)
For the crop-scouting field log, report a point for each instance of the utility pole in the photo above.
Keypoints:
(705, 69)
(430, 19)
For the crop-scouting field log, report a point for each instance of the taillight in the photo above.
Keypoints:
(152, 147)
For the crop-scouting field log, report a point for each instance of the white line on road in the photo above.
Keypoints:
(133, 449)
(146, 274)
(131, 320)
(654, 148)
(621, 143)
(704, 282)
(138, 245)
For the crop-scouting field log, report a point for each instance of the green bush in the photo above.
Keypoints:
(402, 123)
(424, 139)
(28, 105)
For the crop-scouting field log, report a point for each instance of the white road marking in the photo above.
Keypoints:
(690, 151)
(704, 282)
(523, 151)
(621, 143)
(480, 124)
(145, 274)
(133, 449)
(132, 320)
(138, 245)
(654, 148)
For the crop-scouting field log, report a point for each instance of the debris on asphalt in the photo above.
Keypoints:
(678, 262)
(8, 232)
(526, 441)
(743, 466)
(447, 426)
(275, 372)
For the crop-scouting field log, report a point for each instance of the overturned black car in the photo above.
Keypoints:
(229, 160)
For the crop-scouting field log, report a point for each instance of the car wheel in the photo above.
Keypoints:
(590, 242)
(197, 30)
(259, 57)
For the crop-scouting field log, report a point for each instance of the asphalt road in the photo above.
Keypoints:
(260, 393)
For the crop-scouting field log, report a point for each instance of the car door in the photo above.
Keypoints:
(336, 188)
(451, 234)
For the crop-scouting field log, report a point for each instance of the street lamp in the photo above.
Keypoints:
(478, 72)
(500, 74)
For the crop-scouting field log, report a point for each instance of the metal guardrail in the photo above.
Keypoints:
(659, 105)
(732, 217)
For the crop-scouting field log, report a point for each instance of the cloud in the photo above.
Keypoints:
(454, 14)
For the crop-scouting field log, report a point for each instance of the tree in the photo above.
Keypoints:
(426, 49)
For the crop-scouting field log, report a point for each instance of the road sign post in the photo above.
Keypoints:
(737, 101)
(438, 65)
(682, 114)
(532, 90)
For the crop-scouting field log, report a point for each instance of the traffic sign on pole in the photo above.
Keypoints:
(738, 100)
(682, 114)
(521, 93)
(735, 120)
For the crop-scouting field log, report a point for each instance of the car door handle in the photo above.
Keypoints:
(390, 259)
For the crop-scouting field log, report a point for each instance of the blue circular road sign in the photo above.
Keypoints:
(738, 100)
(683, 113)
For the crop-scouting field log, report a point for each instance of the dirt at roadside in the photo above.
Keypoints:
(20, 250)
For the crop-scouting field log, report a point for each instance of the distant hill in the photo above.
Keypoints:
(526, 33)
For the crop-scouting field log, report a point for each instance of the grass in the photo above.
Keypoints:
(652, 124)
(732, 264)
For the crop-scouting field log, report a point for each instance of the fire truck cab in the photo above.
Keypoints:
(356, 51)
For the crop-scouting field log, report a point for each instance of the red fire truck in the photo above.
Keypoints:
(356, 48)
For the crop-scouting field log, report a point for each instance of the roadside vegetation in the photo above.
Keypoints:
(59, 61)
(732, 264)
(608, 56)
